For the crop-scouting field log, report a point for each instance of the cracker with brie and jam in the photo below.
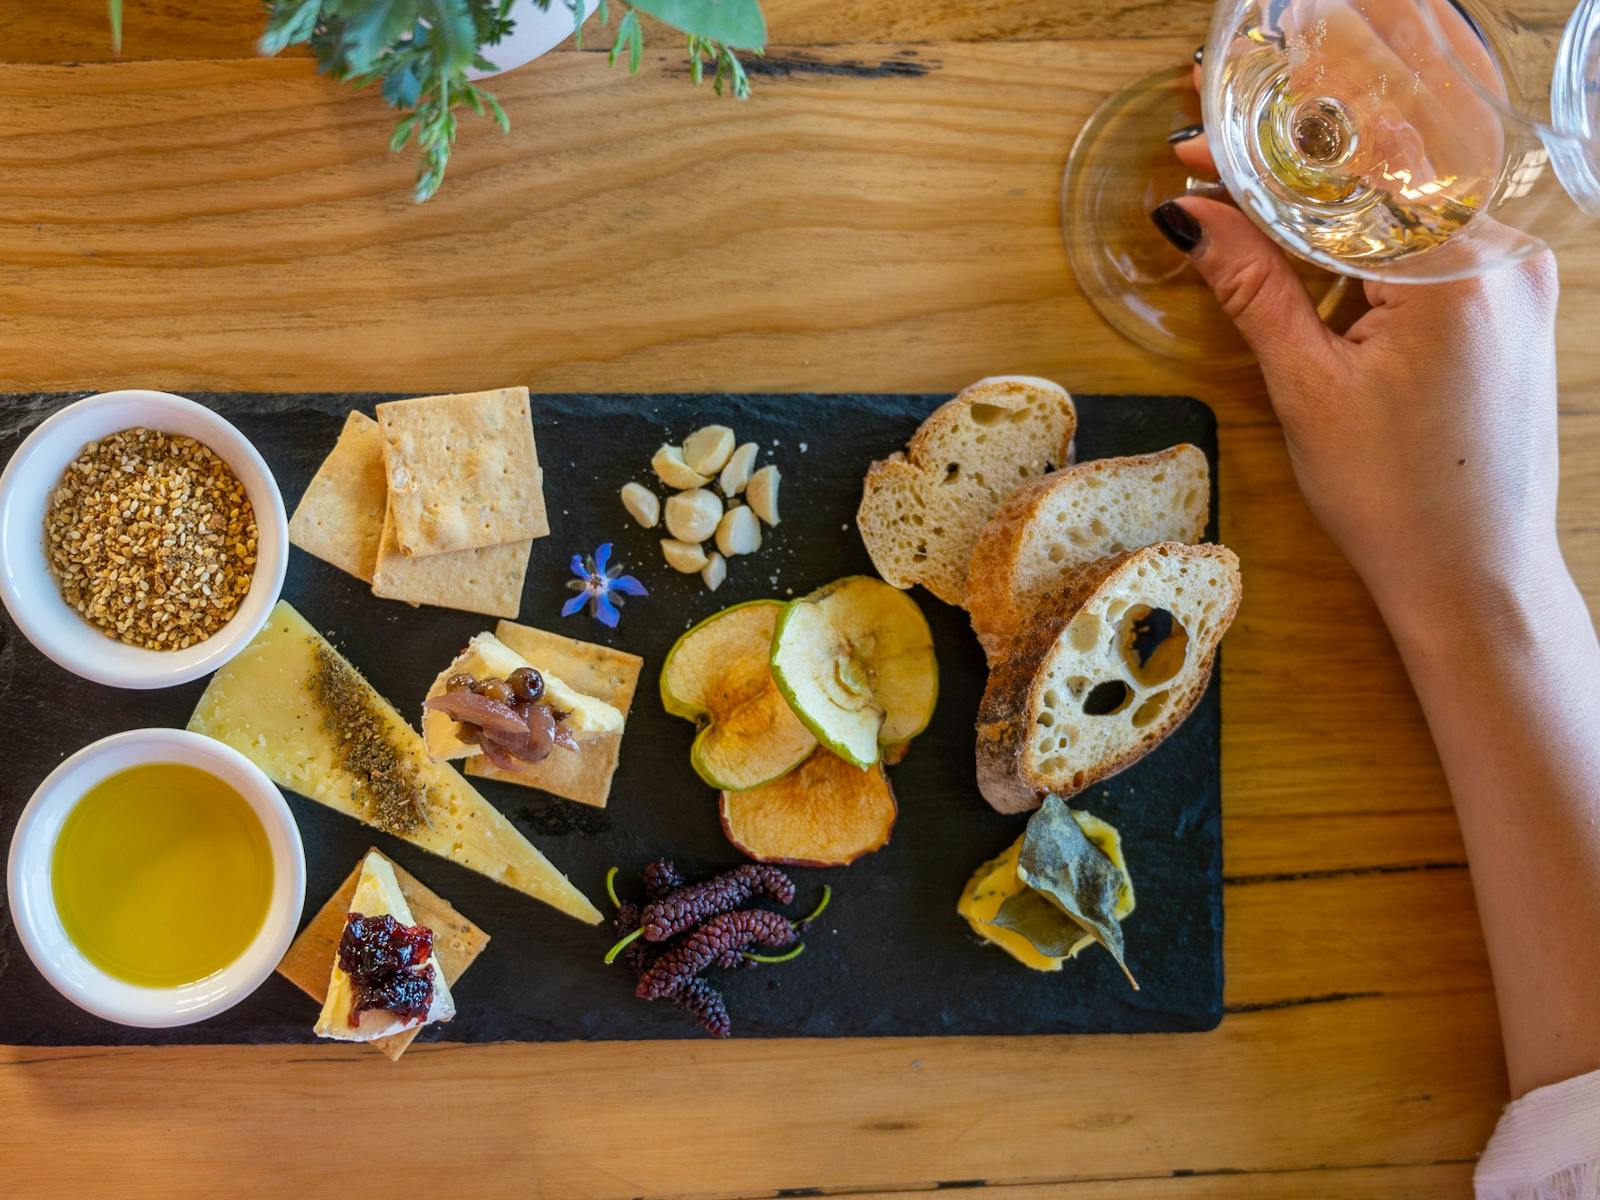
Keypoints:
(386, 978)
(456, 945)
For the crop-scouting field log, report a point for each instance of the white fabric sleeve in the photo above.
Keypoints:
(1546, 1146)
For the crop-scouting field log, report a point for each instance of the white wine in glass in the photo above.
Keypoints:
(1411, 141)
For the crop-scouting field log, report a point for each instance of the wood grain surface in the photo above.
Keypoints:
(882, 215)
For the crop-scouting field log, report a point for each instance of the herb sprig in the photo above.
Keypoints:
(419, 53)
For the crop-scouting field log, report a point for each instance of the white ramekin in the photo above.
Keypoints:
(32, 899)
(29, 590)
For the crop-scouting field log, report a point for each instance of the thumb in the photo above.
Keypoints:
(1252, 278)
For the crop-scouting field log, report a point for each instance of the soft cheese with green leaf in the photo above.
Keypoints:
(1061, 888)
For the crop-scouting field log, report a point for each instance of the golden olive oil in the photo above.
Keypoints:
(162, 874)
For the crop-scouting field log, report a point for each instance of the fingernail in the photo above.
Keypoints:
(1184, 134)
(1177, 226)
(1199, 56)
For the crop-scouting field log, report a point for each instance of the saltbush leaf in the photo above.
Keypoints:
(1072, 888)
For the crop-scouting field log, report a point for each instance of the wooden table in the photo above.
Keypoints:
(882, 215)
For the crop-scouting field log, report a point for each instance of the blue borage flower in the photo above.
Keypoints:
(601, 586)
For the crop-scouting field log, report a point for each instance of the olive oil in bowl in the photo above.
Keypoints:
(162, 875)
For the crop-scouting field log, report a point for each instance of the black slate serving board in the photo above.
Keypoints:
(891, 957)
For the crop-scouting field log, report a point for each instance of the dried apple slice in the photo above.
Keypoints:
(826, 814)
(855, 661)
(716, 675)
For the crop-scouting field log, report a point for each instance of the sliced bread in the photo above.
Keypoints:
(921, 511)
(1107, 668)
(1068, 518)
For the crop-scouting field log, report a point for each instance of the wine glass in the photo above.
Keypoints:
(1410, 141)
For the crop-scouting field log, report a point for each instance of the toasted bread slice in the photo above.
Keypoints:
(1069, 518)
(1106, 669)
(921, 511)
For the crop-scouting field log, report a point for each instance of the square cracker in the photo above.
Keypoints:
(340, 517)
(485, 580)
(463, 471)
(309, 962)
(598, 671)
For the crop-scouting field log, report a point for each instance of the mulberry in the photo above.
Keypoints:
(706, 1005)
(698, 998)
(681, 930)
(661, 876)
(690, 906)
(729, 932)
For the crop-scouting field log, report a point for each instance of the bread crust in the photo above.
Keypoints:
(1011, 701)
(992, 603)
(994, 562)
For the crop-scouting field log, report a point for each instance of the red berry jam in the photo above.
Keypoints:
(388, 966)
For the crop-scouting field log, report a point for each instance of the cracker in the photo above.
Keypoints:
(598, 671)
(486, 580)
(340, 517)
(456, 941)
(463, 471)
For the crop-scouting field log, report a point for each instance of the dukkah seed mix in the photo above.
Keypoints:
(152, 538)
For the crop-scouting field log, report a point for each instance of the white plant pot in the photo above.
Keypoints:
(537, 31)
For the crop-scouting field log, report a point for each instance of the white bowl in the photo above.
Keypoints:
(535, 31)
(32, 898)
(29, 590)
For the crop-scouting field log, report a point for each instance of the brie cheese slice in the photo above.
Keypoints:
(378, 894)
(487, 657)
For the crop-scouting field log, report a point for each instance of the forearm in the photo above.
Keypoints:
(1509, 679)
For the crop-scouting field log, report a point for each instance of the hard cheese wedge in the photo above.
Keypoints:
(487, 657)
(378, 894)
(270, 704)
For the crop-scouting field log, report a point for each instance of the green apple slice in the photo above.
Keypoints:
(855, 661)
(717, 676)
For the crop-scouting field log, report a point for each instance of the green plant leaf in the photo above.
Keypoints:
(289, 22)
(1047, 929)
(452, 34)
(630, 40)
(736, 23)
(498, 113)
(401, 88)
(1072, 888)
(402, 133)
(739, 80)
(372, 28)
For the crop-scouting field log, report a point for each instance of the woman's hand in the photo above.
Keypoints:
(1424, 438)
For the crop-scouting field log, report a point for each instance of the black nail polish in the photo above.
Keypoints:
(1185, 134)
(1177, 226)
(1199, 56)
